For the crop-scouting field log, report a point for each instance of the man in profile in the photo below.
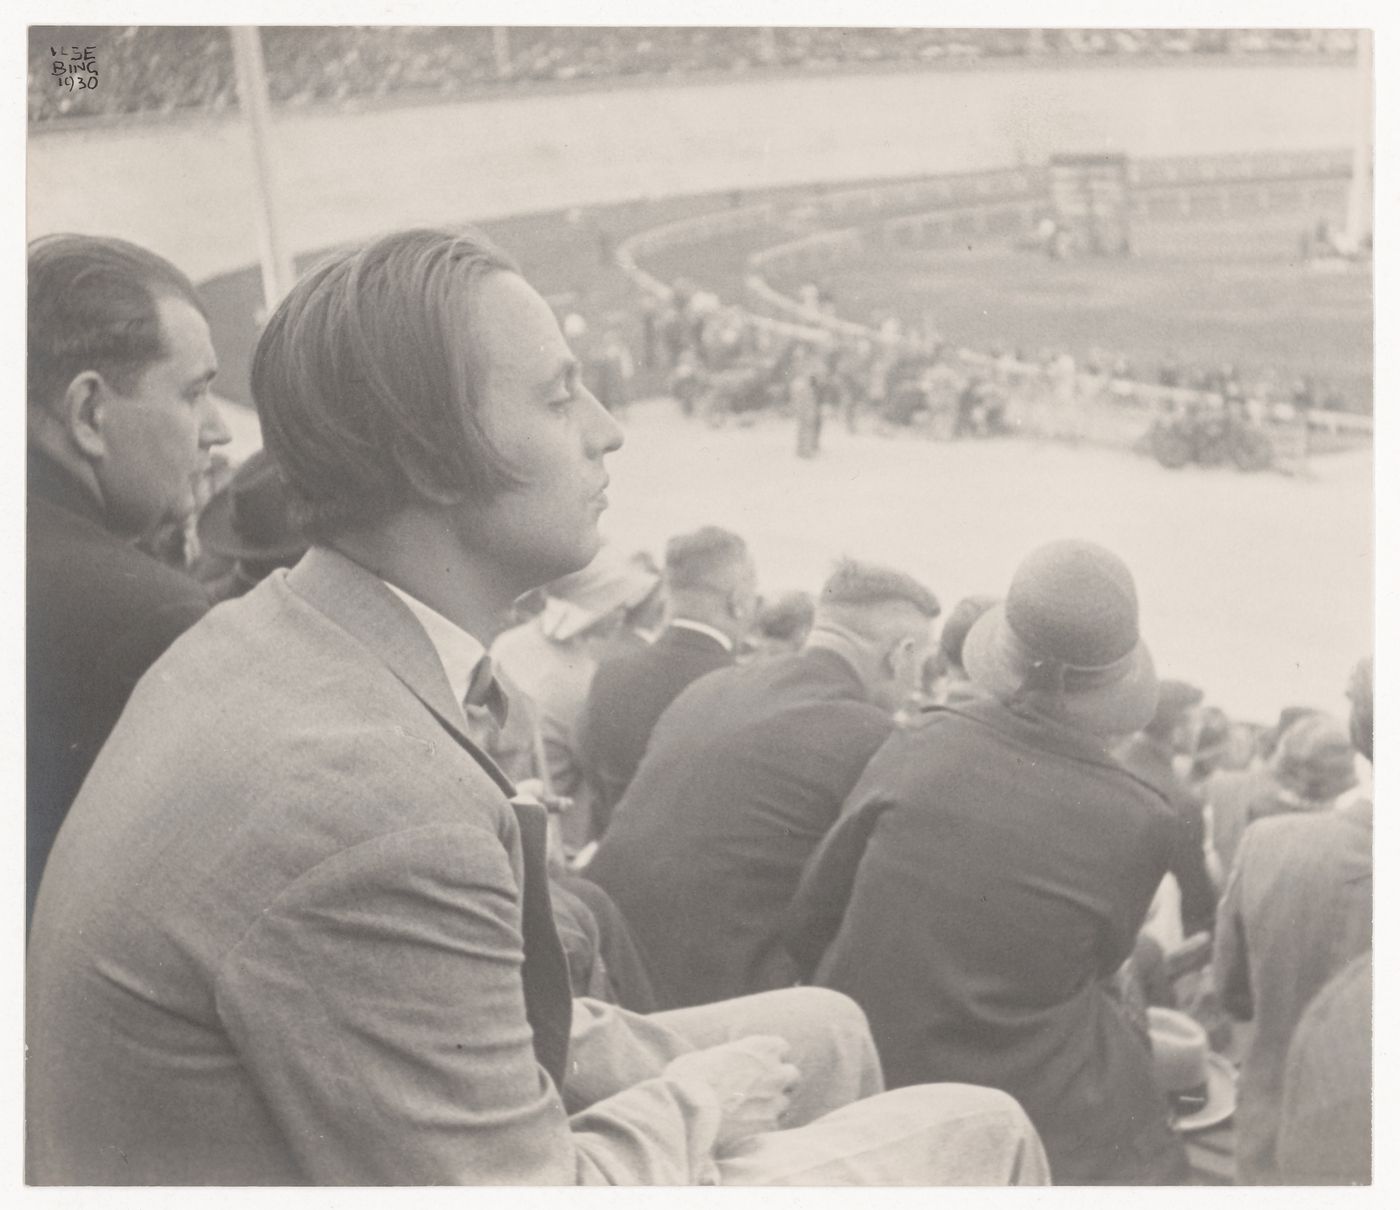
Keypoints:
(710, 582)
(298, 927)
(121, 422)
(745, 772)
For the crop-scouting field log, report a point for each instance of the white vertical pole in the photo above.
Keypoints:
(277, 271)
(1359, 195)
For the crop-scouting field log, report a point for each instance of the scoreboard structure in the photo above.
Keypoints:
(1089, 194)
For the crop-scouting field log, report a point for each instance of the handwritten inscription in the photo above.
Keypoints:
(73, 67)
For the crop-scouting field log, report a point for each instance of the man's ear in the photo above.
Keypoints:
(82, 412)
(897, 655)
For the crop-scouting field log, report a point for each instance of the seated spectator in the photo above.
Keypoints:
(991, 870)
(552, 659)
(1310, 767)
(1149, 755)
(121, 423)
(710, 583)
(246, 531)
(1296, 910)
(745, 772)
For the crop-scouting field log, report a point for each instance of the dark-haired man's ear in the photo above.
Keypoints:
(82, 411)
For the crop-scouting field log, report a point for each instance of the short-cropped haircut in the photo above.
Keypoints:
(703, 559)
(854, 584)
(366, 381)
(92, 306)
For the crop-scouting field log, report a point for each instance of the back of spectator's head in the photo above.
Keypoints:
(93, 306)
(1213, 742)
(1066, 642)
(1315, 759)
(1360, 692)
(1175, 701)
(881, 619)
(710, 578)
(368, 380)
(955, 629)
(784, 623)
(1289, 715)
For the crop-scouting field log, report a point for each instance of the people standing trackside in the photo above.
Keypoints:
(297, 929)
(745, 772)
(805, 403)
(990, 872)
(121, 422)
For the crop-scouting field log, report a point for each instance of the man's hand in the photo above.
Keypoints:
(750, 1079)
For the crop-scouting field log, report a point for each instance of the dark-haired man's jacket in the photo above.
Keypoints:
(745, 772)
(628, 694)
(99, 613)
(295, 932)
(988, 875)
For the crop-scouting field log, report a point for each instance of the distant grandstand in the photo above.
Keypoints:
(155, 71)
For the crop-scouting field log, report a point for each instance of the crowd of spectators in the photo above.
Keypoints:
(159, 70)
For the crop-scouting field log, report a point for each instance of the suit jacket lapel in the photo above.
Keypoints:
(358, 602)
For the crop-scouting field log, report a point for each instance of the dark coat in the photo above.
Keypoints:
(99, 613)
(1151, 760)
(994, 868)
(629, 693)
(745, 773)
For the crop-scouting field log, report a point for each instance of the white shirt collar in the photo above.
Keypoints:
(704, 628)
(459, 651)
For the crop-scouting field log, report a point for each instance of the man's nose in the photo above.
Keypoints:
(214, 431)
(605, 434)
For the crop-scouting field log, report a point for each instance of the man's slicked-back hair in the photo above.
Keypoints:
(92, 306)
(854, 584)
(704, 559)
(368, 383)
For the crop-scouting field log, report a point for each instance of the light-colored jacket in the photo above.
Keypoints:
(292, 933)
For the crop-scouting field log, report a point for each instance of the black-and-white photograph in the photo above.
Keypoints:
(698, 603)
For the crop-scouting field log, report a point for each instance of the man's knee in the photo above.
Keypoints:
(980, 1135)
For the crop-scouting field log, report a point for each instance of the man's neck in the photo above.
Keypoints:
(417, 554)
(845, 646)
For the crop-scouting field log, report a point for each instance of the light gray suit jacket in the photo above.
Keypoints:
(283, 936)
(1297, 909)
